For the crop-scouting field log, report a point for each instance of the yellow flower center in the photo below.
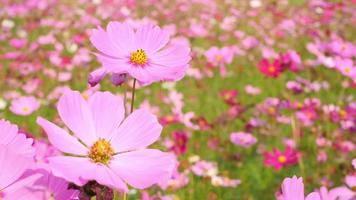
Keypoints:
(25, 109)
(342, 113)
(347, 70)
(282, 159)
(271, 69)
(101, 152)
(218, 57)
(138, 57)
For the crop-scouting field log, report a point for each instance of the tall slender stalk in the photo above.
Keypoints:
(133, 96)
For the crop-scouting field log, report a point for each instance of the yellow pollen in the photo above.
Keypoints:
(282, 159)
(218, 57)
(342, 113)
(101, 152)
(138, 57)
(25, 109)
(353, 188)
(271, 69)
(347, 70)
(271, 110)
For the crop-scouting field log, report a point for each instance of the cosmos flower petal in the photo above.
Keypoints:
(8, 132)
(23, 145)
(100, 39)
(172, 56)
(12, 165)
(150, 38)
(126, 42)
(106, 118)
(19, 189)
(114, 65)
(67, 168)
(143, 168)
(139, 130)
(293, 188)
(106, 176)
(60, 139)
(76, 114)
(313, 196)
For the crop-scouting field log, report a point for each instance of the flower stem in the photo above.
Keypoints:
(125, 195)
(133, 96)
(125, 98)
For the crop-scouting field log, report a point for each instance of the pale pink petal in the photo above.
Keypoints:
(173, 56)
(106, 176)
(141, 74)
(143, 168)
(67, 167)
(23, 145)
(313, 196)
(8, 132)
(72, 169)
(122, 36)
(113, 64)
(108, 111)
(293, 188)
(60, 139)
(100, 39)
(76, 114)
(139, 130)
(19, 190)
(12, 165)
(151, 38)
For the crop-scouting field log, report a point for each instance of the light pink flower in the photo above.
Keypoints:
(24, 105)
(112, 150)
(143, 53)
(243, 139)
(293, 189)
(346, 67)
(220, 57)
(16, 155)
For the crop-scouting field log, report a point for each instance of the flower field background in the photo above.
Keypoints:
(269, 92)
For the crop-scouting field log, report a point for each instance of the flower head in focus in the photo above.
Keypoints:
(143, 53)
(110, 149)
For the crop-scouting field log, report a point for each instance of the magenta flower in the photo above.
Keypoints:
(108, 149)
(293, 189)
(243, 139)
(278, 159)
(142, 53)
(24, 105)
(270, 69)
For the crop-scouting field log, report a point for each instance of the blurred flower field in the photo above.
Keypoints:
(201, 99)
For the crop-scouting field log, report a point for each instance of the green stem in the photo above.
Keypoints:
(133, 96)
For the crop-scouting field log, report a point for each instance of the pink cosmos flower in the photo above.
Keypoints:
(243, 139)
(278, 159)
(229, 96)
(48, 186)
(293, 189)
(346, 67)
(180, 142)
(270, 69)
(16, 155)
(24, 105)
(142, 53)
(205, 168)
(108, 149)
(338, 193)
(220, 57)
